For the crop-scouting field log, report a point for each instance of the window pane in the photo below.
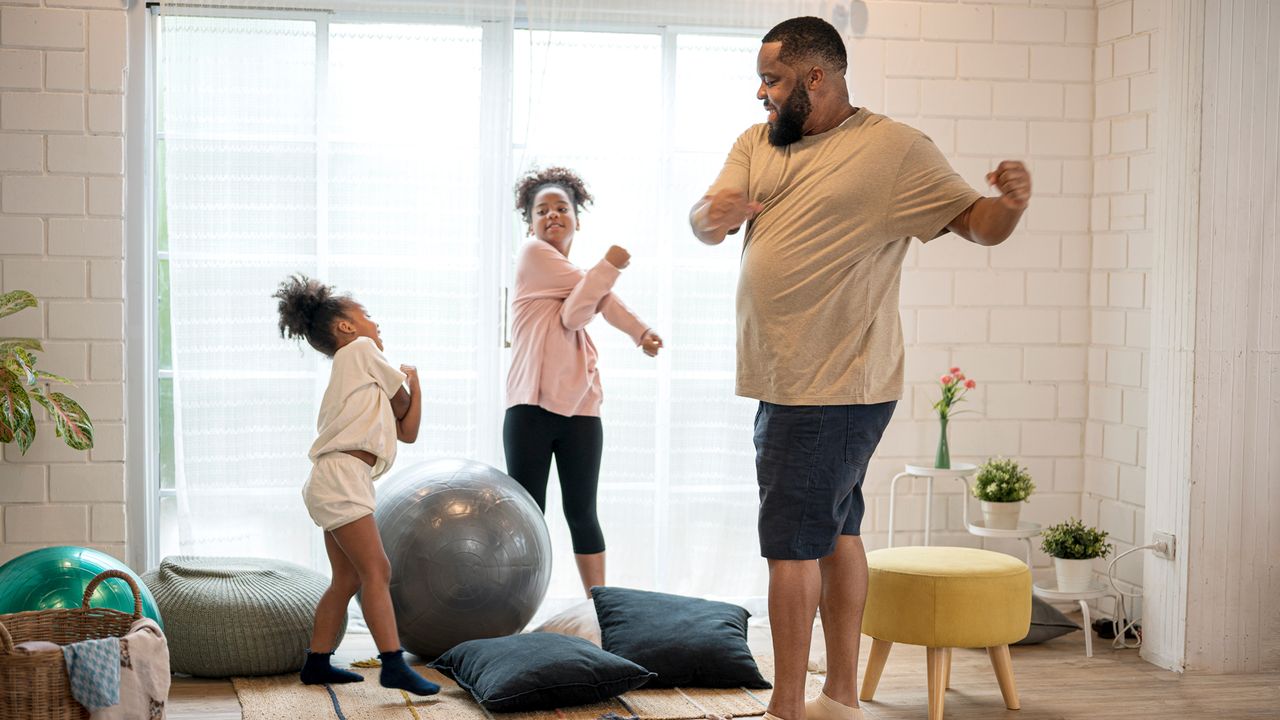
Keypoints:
(621, 72)
(711, 430)
(245, 435)
(629, 415)
(705, 324)
(614, 142)
(164, 316)
(240, 196)
(261, 523)
(376, 203)
(404, 158)
(232, 77)
(715, 546)
(162, 212)
(225, 321)
(167, 467)
(404, 205)
(238, 99)
(709, 116)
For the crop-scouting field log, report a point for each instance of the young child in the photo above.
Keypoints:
(553, 388)
(365, 410)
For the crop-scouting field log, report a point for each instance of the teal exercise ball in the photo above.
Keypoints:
(56, 577)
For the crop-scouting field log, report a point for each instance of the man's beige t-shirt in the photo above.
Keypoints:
(818, 291)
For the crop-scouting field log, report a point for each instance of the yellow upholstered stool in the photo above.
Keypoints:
(943, 598)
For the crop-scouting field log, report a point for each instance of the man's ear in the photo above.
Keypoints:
(815, 77)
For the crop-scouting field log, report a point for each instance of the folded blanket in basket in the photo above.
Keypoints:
(144, 675)
(93, 666)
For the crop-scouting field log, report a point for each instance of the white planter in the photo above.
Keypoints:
(1000, 515)
(1073, 575)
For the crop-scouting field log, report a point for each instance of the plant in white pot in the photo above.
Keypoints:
(1002, 485)
(1073, 546)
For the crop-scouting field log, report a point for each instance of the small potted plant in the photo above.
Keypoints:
(1002, 485)
(1073, 548)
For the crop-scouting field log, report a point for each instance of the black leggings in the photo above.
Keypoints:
(530, 435)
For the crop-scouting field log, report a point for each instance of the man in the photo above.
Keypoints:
(832, 195)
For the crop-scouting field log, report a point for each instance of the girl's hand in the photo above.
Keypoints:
(410, 375)
(618, 257)
(650, 343)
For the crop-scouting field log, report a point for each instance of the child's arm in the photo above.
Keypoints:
(584, 302)
(545, 273)
(400, 403)
(407, 424)
(620, 316)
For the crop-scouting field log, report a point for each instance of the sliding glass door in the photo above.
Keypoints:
(381, 157)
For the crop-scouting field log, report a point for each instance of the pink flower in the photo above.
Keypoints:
(954, 371)
(959, 376)
(947, 379)
(970, 384)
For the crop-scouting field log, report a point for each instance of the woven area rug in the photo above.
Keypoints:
(282, 697)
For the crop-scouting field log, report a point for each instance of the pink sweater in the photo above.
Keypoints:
(553, 363)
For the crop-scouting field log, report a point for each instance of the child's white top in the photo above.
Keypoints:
(355, 413)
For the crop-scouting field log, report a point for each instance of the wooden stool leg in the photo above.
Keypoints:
(875, 665)
(946, 674)
(937, 663)
(1003, 666)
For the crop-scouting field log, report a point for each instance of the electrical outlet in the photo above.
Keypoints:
(1169, 541)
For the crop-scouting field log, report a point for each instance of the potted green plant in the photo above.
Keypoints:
(1002, 485)
(21, 383)
(1073, 546)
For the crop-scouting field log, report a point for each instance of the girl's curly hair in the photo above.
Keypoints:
(308, 309)
(564, 178)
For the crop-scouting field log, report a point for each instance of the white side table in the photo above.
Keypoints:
(960, 471)
(1096, 590)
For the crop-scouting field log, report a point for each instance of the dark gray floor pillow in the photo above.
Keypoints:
(538, 671)
(687, 641)
(1046, 623)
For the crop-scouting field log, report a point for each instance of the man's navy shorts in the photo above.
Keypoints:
(810, 463)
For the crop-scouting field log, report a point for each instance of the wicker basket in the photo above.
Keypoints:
(34, 686)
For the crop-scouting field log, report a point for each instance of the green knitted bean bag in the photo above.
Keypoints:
(229, 616)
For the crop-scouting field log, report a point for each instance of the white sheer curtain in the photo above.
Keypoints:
(376, 145)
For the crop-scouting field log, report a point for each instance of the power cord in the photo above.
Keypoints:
(1121, 622)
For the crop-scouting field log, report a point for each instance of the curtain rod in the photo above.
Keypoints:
(223, 6)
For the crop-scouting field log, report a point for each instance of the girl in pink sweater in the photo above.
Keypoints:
(553, 388)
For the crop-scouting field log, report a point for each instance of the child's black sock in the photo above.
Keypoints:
(397, 674)
(317, 671)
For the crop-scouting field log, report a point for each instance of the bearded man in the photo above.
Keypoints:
(831, 195)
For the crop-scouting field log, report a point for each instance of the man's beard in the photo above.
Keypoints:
(789, 127)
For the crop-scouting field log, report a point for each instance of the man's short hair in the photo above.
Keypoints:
(806, 37)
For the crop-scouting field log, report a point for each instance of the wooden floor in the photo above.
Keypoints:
(1055, 681)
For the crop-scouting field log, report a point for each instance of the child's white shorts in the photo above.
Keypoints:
(339, 491)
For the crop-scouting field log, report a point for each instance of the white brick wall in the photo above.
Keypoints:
(61, 161)
(1118, 294)
(1054, 323)
(991, 81)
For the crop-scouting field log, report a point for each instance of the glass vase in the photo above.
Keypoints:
(943, 459)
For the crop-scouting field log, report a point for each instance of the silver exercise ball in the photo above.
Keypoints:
(469, 549)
